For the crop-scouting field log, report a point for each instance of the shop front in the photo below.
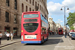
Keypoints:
(15, 31)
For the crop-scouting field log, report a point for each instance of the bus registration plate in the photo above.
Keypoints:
(30, 36)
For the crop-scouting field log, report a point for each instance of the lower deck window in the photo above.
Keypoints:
(30, 27)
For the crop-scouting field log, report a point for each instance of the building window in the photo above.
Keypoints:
(33, 2)
(15, 4)
(15, 18)
(15, 30)
(26, 8)
(7, 17)
(0, 28)
(30, 1)
(0, 14)
(27, 0)
(22, 7)
(38, 6)
(29, 9)
(7, 2)
(33, 9)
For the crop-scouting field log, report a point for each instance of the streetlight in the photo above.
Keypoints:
(64, 15)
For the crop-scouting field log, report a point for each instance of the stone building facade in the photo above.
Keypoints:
(11, 11)
(34, 5)
(58, 25)
(52, 24)
(9, 16)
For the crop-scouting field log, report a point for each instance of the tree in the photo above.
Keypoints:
(71, 19)
(71, 28)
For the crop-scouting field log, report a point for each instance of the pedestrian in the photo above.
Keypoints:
(65, 33)
(49, 32)
(0, 37)
(11, 36)
(8, 35)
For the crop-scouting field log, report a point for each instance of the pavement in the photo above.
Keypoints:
(5, 42)
(55, 42)
(67, 44)
(48, 45)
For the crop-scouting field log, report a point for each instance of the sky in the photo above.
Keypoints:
(54, 7)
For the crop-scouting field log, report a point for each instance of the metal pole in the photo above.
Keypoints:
(64, 17)
(65, 20)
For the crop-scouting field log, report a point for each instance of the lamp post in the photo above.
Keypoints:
(64, 14)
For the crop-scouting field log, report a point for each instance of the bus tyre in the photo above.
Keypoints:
(47, 38)
(42, 41)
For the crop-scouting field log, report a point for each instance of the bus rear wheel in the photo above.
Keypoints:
(47, 38)
(42, 41)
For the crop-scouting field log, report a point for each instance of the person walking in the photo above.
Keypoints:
(11, 36)
(65, 33)
(0, 37)
(49, 32)
(8, 35)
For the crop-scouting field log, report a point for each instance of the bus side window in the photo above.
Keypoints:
(43, 30)
(41, 23)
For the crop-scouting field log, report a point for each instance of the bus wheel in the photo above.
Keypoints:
(47, 38)
(42, 41)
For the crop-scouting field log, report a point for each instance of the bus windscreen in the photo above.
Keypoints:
(60, 30)
(30, 15)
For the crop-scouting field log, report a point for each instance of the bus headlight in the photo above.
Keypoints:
(22, 37)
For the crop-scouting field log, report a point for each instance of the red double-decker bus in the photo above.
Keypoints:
(60, 31)
(34, 27)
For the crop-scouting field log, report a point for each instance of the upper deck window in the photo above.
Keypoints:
(30, 15)
(44, 19)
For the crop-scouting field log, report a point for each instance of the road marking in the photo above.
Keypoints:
(66, 47)
(56, 48)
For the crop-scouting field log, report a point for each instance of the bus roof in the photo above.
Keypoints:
(31, 12)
